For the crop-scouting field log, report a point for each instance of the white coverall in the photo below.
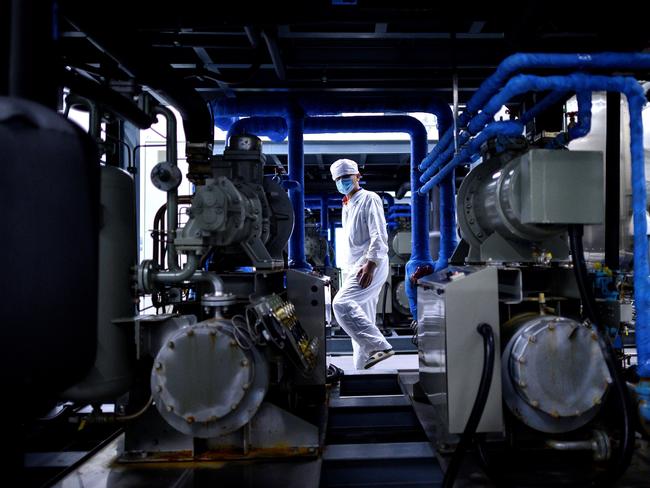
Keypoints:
(355, 307)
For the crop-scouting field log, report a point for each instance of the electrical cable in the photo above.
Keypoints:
(477, 409)
(590, 310)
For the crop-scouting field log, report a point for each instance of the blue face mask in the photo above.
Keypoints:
(345, 185)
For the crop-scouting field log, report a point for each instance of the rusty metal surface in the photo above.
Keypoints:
(103, 471)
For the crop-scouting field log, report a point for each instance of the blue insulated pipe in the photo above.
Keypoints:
(523, 61)
(509, 129)
(430, 164)
(275, 128)
(521, 84)
(278, 106)
(583, 126)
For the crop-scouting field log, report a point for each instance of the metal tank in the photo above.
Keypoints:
(111, 374)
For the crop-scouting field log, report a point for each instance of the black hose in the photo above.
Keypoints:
(477, 410)
(591, 311)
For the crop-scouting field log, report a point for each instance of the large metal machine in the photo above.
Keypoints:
(551, 382)
(235, 363)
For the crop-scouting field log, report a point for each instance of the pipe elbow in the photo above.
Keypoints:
(178, 276)
(212, 279)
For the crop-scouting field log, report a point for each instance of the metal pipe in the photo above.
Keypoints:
(296, 160)
(211, 278)
(599, 445)
(176, 276)
(110, 100)
(333, 242)
(613, 181)
(324, 217)
(171, 146)
(570, 445)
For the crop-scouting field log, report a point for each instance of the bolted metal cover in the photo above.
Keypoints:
(205, 383)
(556, 366)
(166, 176)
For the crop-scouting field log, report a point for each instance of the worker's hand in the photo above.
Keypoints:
(365, 273)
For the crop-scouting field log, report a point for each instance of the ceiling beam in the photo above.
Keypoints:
(271, 41)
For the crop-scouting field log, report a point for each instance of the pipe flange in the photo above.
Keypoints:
(218, 299)
(468, 221)
(166, 176)
(555, 377)
(145, 272)
(206, 382)
(601, 446)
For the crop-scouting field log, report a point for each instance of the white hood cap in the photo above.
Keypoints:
(343, 167)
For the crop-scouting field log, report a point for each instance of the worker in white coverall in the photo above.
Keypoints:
(355, 304)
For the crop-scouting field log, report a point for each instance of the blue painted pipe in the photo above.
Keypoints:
(523, 61)
(275, 128)
(509, 129)
(278, 106)
(445, 156)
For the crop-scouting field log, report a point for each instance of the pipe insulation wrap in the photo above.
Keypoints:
(522, 61)
(509, 129)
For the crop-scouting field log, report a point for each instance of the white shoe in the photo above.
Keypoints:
(378, 356)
